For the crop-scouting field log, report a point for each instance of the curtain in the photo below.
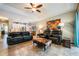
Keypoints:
(76, 29)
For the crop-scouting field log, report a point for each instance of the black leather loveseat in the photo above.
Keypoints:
(56, 36)
(18, 37)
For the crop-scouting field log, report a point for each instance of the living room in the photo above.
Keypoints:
(39, 29)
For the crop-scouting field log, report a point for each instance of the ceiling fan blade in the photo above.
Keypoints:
(31, 4)
(27, 7)
(39, 6)
(38, 10)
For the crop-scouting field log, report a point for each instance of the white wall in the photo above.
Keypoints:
(67, 19)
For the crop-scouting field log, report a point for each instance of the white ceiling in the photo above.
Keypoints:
(16, 11)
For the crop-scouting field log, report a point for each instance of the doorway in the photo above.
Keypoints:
(4, 24)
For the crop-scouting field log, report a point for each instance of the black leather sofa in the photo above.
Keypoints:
(18, 37)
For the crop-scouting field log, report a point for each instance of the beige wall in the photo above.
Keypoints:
(67, 19)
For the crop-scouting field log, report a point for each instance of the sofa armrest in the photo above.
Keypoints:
(9, 37)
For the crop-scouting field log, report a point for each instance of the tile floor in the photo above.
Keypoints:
(27, 49)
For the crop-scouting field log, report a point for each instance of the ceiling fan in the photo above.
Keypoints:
(34, 7)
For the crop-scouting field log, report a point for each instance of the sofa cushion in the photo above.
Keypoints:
(25, 33)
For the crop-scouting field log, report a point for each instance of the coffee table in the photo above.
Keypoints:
(42, 43)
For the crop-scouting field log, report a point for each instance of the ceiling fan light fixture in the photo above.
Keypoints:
(33, 9)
